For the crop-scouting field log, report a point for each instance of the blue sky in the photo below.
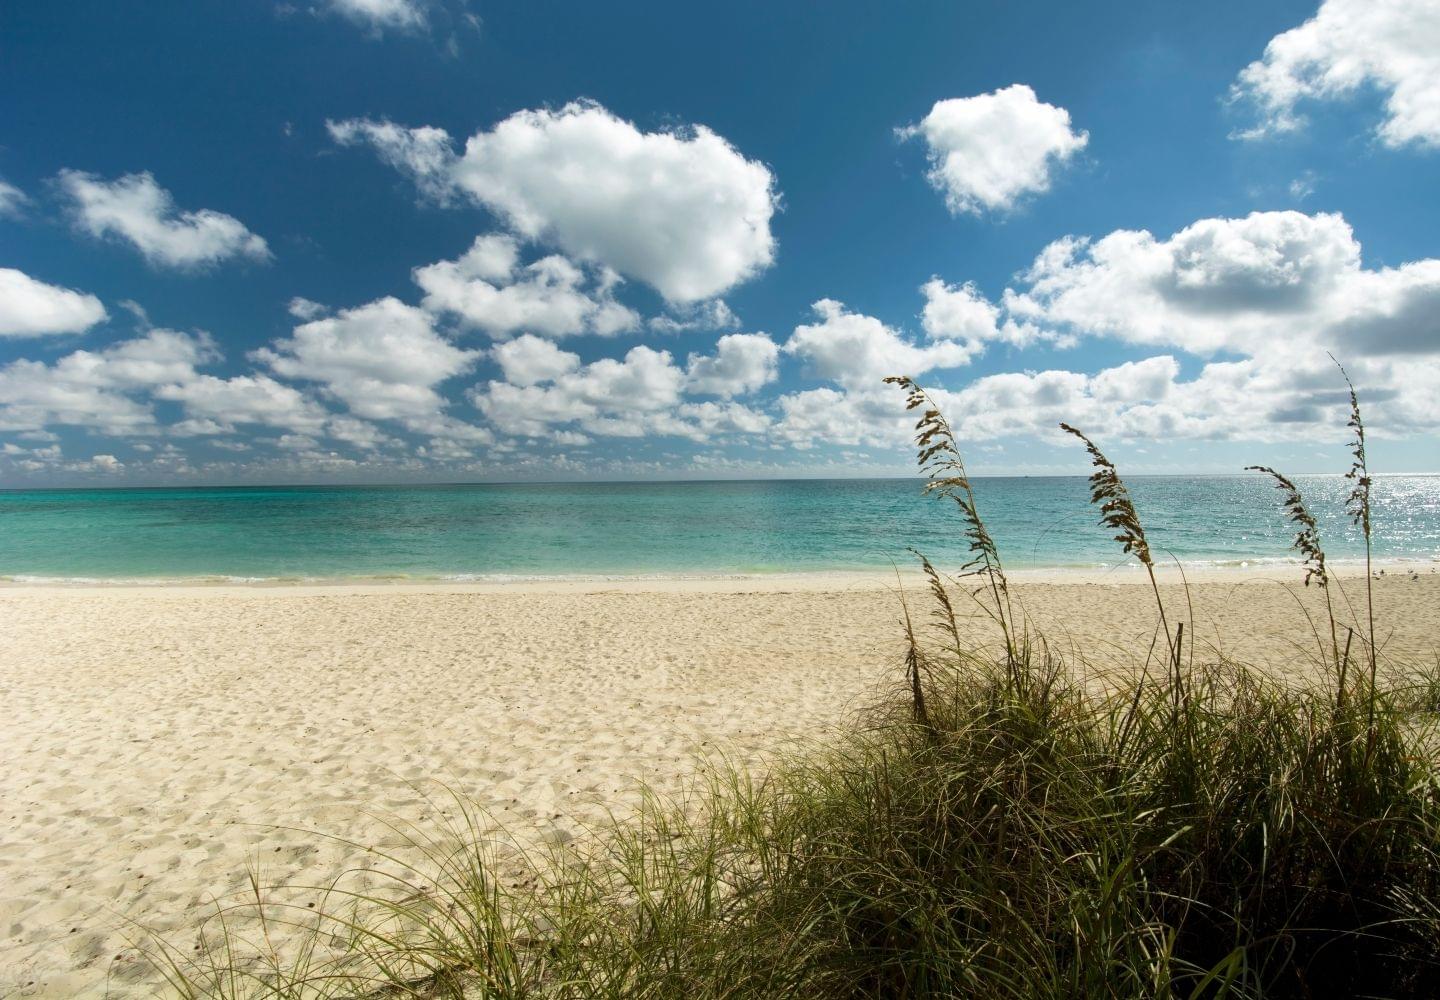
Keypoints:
(413, 240)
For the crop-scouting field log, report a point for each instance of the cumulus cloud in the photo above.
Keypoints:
(383, 360)
(136, 209)
(700, 422)
(486, 288)
(529, 411)
(1255, 399)
(113, 391)
(960, 313)
(1252, 399)
(380, 15)
(646, 379)
(1276, 289)
(449, 436)
(742, 363)
(989, 151)
(711, 315)
(99, 389)
(867, 416)
(858, 350)
(1267, 283)
(1349, 45)
(31, 308)
(529, 360)
(1136, 381)
(638, 395)
(214, 405)
(360, 433)
(683, 210)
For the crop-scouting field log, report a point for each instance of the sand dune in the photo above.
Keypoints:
(157, 740)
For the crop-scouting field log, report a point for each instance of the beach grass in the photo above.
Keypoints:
(1014, 822)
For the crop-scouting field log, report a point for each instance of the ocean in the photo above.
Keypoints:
(522, 531)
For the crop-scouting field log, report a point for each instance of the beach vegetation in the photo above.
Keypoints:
(1016, 821)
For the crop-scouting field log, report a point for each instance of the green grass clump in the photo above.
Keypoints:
(1004, 828)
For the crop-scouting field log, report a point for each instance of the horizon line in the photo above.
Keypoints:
(658, 482)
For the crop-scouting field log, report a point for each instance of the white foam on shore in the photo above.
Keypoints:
(1126, 571)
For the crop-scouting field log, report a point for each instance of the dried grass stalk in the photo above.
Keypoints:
(940, 459)
(1108, 492)
(1307, 539)
(1357, 505)
(1307, 543)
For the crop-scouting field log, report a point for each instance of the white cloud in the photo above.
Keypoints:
(158, 357)
(1268, 283)
(424, 153)
(12, 200)
(608, 397)
(1255, 399)
(304, 309)
(1136, 381)
(30, 308)
(454, 438)
(216, 404)
(36, 459)
(382, 360)
(34, 395)
(1391, 45)
(715, 418)
(97, 389)
(700, 422)
(111, 391)
(107, 463)
(988, 152)
(742, 363)
(138, 210)
(529, 411)
(1278, 289)
(646, 379)
(711, 315)
(360, 433)
(1251, 400)
(529, 360)
(958, 312)
(198, 427)
(1015, 403)
(857, 350)
(682, 211)
(862, 416)
(379, 15)
(486, 288)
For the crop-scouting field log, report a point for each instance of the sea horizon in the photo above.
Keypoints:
(411, 484)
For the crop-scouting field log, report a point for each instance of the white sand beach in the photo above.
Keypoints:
(158, 740)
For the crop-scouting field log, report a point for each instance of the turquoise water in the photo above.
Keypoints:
(643, 529)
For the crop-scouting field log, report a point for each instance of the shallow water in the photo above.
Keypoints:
(664, 529)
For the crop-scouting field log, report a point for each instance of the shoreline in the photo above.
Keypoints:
(1239, 570)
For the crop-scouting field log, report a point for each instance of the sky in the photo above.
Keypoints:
(250, 241)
